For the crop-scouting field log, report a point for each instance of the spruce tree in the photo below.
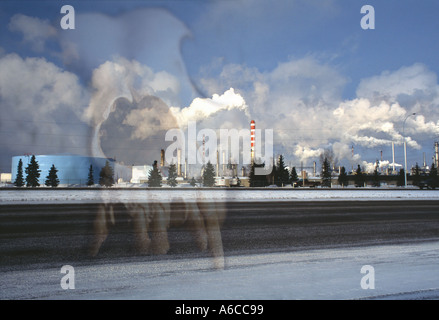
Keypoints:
(172, 175)
(52, 178)
(293, 176)
(359, 178)
(343, 177)
(282, 173)
(32, 173)
(401, 178)
(273, 176)
(154, 177)
(90, 178)
(326, 173)
(209, 175)
(106, 175)
(19, 180)
(417, 175)
(434, 180)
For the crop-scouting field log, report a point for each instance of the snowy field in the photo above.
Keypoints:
(399, 272)
(44, 195)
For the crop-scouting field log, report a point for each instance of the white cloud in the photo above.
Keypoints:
(44, 102)
(128, 79)
(133, 81)
(301, 100)
(202, 108)
(35, 31)
(150, 36)
(405, 81)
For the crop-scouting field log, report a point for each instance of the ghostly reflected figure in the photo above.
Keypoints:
(151, 221)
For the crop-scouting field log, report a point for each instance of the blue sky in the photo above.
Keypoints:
(304, 68)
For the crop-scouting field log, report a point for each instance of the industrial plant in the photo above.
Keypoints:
(74, 170)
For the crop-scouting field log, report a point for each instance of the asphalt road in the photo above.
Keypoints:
(59, 234)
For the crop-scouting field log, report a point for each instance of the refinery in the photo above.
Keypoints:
(73, 169)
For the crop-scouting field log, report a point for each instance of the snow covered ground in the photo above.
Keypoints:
(402, 271)
(44, 195)
(399, 272)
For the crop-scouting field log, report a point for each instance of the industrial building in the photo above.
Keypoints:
(72, 169)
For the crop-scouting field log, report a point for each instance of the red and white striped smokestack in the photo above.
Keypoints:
(252, 139)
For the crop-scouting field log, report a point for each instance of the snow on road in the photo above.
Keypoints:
(399, 272)
(44, 195)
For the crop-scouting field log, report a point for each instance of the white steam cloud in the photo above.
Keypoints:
(301, 101)
(202, 108)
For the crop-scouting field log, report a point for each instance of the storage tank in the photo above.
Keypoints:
(72, 169)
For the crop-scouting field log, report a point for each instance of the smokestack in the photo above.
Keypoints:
(179, 162)
(314, 169)
(393, 155)
(252, 138)
(162, 158)
(381, 151)
(425, 163)
(224, 163)
(217, 163)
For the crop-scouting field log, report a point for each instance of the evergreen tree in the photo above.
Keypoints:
(293, 176)
(343, 177)
(433, 171)
(282, 174)
(359, 178)
(52, 178)
(155, 177)
(172, 175)
(326, 173)
(417, 175)
(90, 178)
(106, 175)
(273, 175)
(19, 180)
(209, 175)
(433, 177)
(376, 176)
(400, 182)
(193, 182)
(32, 173)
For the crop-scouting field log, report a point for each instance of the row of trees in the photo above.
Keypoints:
(33, 173)
(280, 176)
(155, 176)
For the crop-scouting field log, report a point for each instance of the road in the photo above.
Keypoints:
(38, 238)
